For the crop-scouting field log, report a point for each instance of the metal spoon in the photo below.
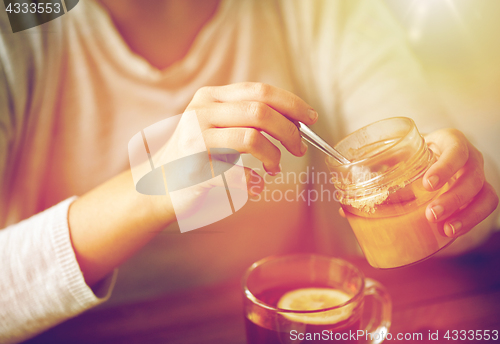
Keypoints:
(311, 137)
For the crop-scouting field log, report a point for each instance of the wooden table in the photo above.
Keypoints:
(442, 294)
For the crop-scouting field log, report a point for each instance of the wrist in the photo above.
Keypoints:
(111, 222)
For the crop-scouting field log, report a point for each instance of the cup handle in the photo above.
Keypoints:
(380, 320)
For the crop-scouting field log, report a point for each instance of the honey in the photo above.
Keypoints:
(383, 195)
(397, 234)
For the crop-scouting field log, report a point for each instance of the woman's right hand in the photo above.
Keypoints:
(236, 116)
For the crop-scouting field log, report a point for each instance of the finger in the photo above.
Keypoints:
(454, 150)
(255, 115)
(483, 205)
(285, 102)
(246, 140)
(461, 193)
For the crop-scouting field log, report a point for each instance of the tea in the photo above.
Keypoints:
(335, 325)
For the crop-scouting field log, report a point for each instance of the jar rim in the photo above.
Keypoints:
(385, 149)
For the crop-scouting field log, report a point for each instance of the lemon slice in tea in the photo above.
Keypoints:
(310, 299)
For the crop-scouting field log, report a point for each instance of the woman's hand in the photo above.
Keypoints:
(471, 198)
(234, 116)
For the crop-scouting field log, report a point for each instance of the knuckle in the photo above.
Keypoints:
(448, 168)
(246, 85)
(292, 131)
(478, 178)
(201, 115)
(248, 88)
(257, 110)
(203, 91)
(457, 133)
(458, 198)
(463, 151)
(261, 90)
(251, 139)
(460, 151)
(460, 146)
(293, 102)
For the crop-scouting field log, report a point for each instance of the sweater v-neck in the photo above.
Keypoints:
(116, 48)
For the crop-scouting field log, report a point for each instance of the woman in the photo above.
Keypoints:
(78, 88)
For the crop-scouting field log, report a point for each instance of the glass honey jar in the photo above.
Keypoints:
(382, 194)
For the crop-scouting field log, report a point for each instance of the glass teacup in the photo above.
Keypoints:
(309, 299)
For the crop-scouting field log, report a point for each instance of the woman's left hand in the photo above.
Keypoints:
(470, 198)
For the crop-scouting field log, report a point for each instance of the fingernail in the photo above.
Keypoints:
(312, 114)
(303, 147)
(455, 226)
(437, 211)
(433, 181)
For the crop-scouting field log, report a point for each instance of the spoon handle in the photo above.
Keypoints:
(311, 137)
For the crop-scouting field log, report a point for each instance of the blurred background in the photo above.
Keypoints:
(458, 42)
